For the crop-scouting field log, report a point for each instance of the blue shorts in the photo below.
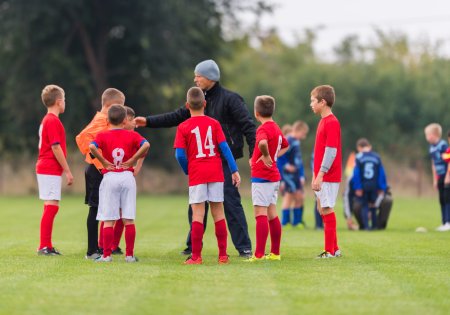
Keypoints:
(291, 182)
(370, 196)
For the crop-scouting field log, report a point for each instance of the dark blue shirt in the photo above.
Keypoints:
(368, 173)
(436, 151)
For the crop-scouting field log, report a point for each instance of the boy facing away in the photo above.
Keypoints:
(369, 182)
(120, 150)
(51, 164)
(327, 165)
(196, 149)
(270, 143)
(93, 172)
(439, 168)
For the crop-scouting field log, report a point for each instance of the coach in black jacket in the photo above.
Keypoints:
(229, 109)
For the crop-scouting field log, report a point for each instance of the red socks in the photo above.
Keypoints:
(262, 232)
(118, 230)
(221, 235)
(100, 235)
(130, 237)
(108, 236)
(275, 235)
(48, 216)
(329, 223)
(196, 239)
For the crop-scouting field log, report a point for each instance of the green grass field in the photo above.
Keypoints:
(390, 272)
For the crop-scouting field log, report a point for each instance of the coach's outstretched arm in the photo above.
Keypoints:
(166, 120)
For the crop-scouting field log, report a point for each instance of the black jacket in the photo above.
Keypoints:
(225, 106)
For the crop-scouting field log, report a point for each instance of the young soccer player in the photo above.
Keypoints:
(369, 182)
(196, 149)
(270, 143)
(438, 146)
(51, 164)
(327, 165)
(93, 172)
(293, 176)
(120, 150)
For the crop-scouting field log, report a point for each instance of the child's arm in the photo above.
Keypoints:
(106, 164)
(180, 155)
(59, 155)
(327, 162)
(283, 151)
(356, 178)
(382, 183)
(138, 166)
(140, 153)
(433, 170)
(226, 152)
(265, 156)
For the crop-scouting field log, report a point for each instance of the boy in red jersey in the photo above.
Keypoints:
(51, 164)
(270, 144)
(196, 149)
(120, 151)
(327, 165)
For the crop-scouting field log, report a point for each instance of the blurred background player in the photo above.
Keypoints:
(51, 164)
(93, 172)
(318, 221)
(270, 143)
(196, 149)
(120, 150)
(369, 182)
(438, 146)
(293, 176)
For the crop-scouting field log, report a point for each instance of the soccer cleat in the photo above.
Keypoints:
(187, 251)
(131, 259)
(117, 251)
(104, 259)
(93, 256)
(272, 256)
(190, 261)
(444, 228)
(254, 259)
(338, 253)
(246, 253)
(46, 251)
(223, 260)
(324, 254)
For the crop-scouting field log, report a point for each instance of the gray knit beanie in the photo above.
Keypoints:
(208, 69)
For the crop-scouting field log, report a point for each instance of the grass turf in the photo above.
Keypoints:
(386, 272)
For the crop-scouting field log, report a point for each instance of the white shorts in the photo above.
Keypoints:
(328, 194)
(117, 191)
(49, 187)
(206, 192)
(265, 194)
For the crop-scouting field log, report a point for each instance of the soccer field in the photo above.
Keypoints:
(389, 272)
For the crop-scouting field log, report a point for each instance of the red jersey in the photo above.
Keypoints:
(328, 135)
(51, 132)
(200, 136)
(276, 141)
(118, 145)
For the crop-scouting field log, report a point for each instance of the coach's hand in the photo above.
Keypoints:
(236, 179)
(140, 121)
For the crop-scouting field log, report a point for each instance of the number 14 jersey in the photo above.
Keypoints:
(200, 136)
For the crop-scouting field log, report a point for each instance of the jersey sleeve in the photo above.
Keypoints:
(98, 140)
(261, 134)
(180, 140)
(55, 131)
(284, 142)
(333, 134)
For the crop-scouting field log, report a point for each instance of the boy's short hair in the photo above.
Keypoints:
(362, 143)
(324, 92)
(300, 125)
(113, 96)
(130, 111)
(116, 114)
(51, 93)
(286, 129)
(434, 128)
(195, 98)
(265, 105)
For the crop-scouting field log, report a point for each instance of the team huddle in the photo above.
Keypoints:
(206, 150)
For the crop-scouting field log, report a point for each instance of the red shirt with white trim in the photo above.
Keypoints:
(328, 135)
(200, 136)
(271, 132)
(51, 132)
(118, 146)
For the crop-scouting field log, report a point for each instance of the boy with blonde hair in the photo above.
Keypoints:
(270, 144)
(93, 173)
(51, 164)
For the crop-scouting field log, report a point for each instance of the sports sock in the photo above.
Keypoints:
(221, 235)
(298, 215)
(275, 235)
(92, 229)
(100, 237)
(46, 229)
(196, 238)
(108, 236)
(329, 221)
(262, 232)
(118, 230)
(286, 216)
(130, 237)
(373, 216)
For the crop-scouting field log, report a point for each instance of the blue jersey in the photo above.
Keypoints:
(436, 151)
(293, 156)
(368, 173)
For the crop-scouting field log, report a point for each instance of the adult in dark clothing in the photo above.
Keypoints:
(230, 110)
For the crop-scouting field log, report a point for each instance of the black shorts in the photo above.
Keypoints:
(93, 179)
(291, 181)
